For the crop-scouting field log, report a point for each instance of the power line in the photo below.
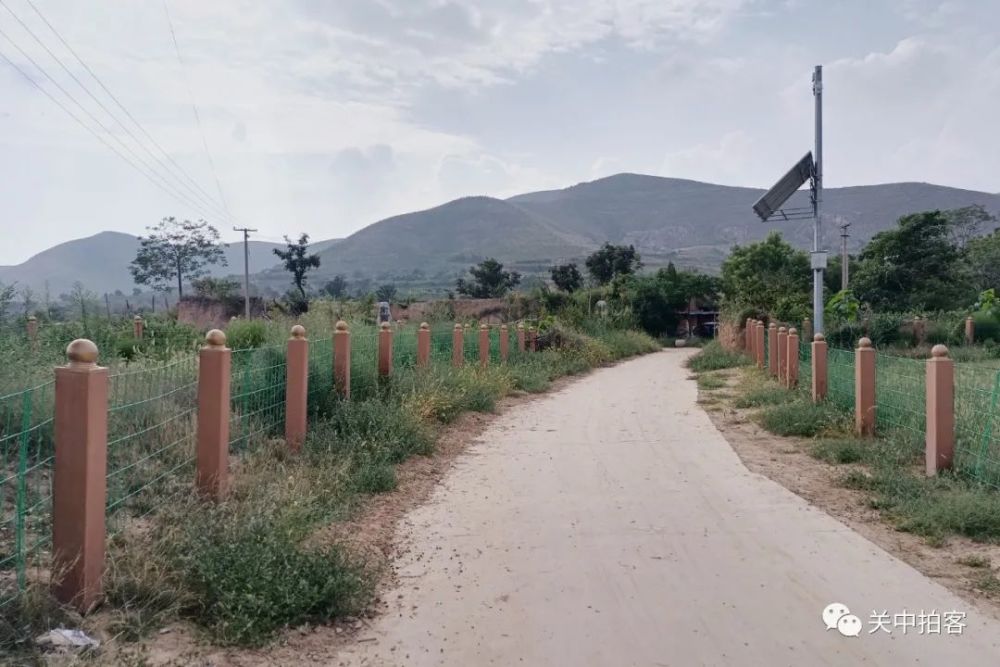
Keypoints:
(90, 129)
(194, 107)
(198, 194)
(166, 186)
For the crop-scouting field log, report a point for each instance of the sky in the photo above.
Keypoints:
(325, 116)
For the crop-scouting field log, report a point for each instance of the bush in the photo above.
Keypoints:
(987, 328)
(714, 357)
(800, 418)
(243, 334)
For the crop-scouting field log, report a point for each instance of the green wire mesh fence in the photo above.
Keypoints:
(26, 487)
(977, 445)
(257, 396)
(320, 376)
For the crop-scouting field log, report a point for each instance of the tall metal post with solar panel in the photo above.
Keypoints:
(808, 168)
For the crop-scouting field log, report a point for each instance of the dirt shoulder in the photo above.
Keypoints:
(788, 462)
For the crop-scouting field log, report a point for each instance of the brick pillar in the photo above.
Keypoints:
(533, 339)
(807, 329)
(32, 328)
(296, 388)
(504, 343)
(342, 359)
(792, 359)
(212, 460)
(940, 451)
(520, 337)
(970, 331)
(385, 350)
(484, 345)
(782, 354)
(423, 345)
(748, 336)
(772, 349)
(138, 326)
(458, 346)
(920, 330)
(864, 388)
(79, 484)
(760, 345)
(819, 377)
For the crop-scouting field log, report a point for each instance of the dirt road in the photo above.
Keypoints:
(611, 524)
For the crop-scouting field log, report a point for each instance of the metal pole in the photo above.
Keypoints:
(819, 262)
(844, 260)
(246, 268)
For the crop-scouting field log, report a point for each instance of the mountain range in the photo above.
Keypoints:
(690, 223)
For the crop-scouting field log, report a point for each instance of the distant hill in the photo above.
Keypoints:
(101, 262)
(691, 223)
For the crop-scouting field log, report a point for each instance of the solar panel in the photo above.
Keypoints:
(779, 193)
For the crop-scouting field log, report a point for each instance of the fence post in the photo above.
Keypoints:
(819, 378)
(792, 359)
(342, 359)
(807, 329)
(864, 388)
(79, 485)
(919, 330)
(970, 330)
(385, 350)
(138, 327)
(458, 346)
(782, 354)
(940, 451)
(484, 345)
(214, 366)
(32, 328)
(760, 345)
(748, 337)
(504, 343)
(772, 349)
(520, 336)
(533, 339)
(423, 345)
(296, 388)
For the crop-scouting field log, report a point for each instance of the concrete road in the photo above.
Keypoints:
(611, 524)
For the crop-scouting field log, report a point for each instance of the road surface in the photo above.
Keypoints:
(611, 524)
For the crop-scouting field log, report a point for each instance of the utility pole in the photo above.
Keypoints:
(246, 268)
(818, 257)
(844, 260)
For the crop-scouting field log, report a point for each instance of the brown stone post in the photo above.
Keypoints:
(782, 354)
(385, 350)
(342, 359)
(32, 328)
(940, 451)
(504, 343)
(484, 345)
(458, 346)
(792, 359)
(79, 484)
(138, 326)
(970, 330)
(864, 388)
(212, 459)
(520, 337)
(819, 368)
(760, 345)
(807, 329)
(772, 349)
(296, 388)
(920, 330)
(423, 345)
(748, 336)
(533, 339)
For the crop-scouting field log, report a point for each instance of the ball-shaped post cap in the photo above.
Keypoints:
(793, 332)
(865, 342)
(503, 327)
(782, 330)
(81, 352)
(939, 351)
(520, 325)
(424, 326)
(137, 318)
(385, 326)
(215, 338)
(772, 325)
(341, 325)
(32, 318)
(819, 338)
(458, 327)
(483, 327)
(298, 331)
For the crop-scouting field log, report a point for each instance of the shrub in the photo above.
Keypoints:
(800, 418)
(243, 334)
(987, 328)
(714, 357)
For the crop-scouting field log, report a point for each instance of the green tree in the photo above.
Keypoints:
(489, 280)
(219, 289)
(658, 299)
(176, 250)
(336, 288)
(298, 262)
(7, 293)
(913, 267)
(968, 223)
(769, 277)
(386, 292)
(566, 277)
(610, 261)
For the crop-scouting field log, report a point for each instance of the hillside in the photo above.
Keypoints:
(101, 262)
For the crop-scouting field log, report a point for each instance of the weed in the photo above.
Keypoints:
(800, 418)
(988, 584)
(714, 357)
(839, 450)
(708, 382)
(974, 560)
